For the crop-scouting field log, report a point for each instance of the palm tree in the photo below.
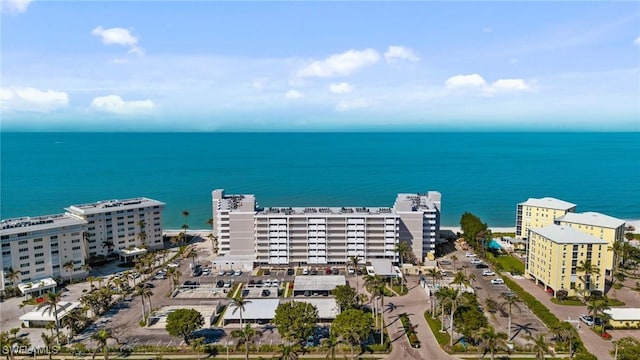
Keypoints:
(435, 275)
(50, 305)
(355, 262)
(540, 347)
(402, 249)
(491, 304)
(587, 268)
(510, 300)
(108, 244)
(288, 352)
(13, 275)
(49, 342)
(460, 279)
(193, 255)
(452, 298)
(331, 344)
(144, 292)
(197, 345)
(102, 337)
(619, 253)
(489, 340)
(85, 267)
(186, 214)
(10, 339)
(238, 303)
(70, 268)
(597, 308)
(453, 260)
(246, 336)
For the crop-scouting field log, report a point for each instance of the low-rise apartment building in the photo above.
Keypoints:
(536, 213)
(36, 248)
(556, 254)
(597, 225)
(324, 235)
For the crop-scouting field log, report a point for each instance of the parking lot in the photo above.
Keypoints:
(523, 322)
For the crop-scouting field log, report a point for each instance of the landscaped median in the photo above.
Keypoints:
(410, 331)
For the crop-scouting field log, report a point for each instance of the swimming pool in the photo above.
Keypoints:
(493, 244)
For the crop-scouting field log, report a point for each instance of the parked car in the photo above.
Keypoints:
(470, 254)
(305, 271)
(335, 271)
(266, 272)
(267, 283)
(351, 270)
(313, 272)
(482, 266)
(206, 272)
(497, 281)
(488, 273)
(173, 265)
(237, 273)
(266, 292)
(586, 319)
(290, 272)
(197, 271)
(327, 271)
(219, 284)
(476, 261)
(275, 283)
(222, 273)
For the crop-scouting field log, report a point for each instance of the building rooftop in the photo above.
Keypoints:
(37, 285)
(549, 203)
(42, 314)
(418, 202)
(383, 267)
(327, 307)
(24, 224)
(592, 218)
(318, 282)
(622, 314)
(113, 205)
(566, 235)
(322, 211)
(257, 309)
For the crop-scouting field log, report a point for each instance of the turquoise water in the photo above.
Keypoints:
(485, 173)
(493, 244)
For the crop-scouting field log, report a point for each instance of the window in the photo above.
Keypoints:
(37, 240)
(22, 242)
(39, 255)
(54, 237)
(37, 247)
(24, 265)
(75, 248)
(53, 245)
(39, 269)
(24, 257)
(75, 241)
(39, 262)
(23, 249)
(54, 252)
(75, 234)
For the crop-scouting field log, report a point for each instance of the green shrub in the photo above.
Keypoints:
(443, 338)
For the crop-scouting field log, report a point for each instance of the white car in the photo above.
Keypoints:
(469, 254)
(488, 273)
(497, 281)
(173, 265)
(586, 319)
(351, 270)
(237, 273)
(275, 283)
(222, 272)
(305, 271)
(475, 261)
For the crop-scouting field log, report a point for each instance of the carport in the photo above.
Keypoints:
(255, 311)
(42, 316)
(327, 308)
(317, 284)
(384, 268)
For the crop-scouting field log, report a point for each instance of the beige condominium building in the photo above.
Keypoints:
(324, 235)
(556, 255)
(597, 225)
(120, 224)
(40, 247)
(535, 213)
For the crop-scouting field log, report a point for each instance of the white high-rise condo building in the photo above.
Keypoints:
(324, 235)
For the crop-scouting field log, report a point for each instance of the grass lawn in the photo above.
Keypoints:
(568, 302)
(435, 325)
(509, 263)
(401, 290)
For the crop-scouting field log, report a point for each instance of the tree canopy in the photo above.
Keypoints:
(472, 227)
(183, 323)
(628, 348)
(296, 320)
(345, 297)
(353, 325)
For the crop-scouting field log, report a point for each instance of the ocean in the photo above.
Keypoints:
(484, 173)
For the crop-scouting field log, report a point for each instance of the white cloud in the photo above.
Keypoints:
(465, 81)
(343, 64)
(637, 41)
(14, 6)
(347, 105)
(118, 36)
(513, 61)
(340, 88)
(115, 105)
(293, 94)
(508, 86)
(395, 53)
(31, 99)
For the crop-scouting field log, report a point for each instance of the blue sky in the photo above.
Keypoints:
(299, 66)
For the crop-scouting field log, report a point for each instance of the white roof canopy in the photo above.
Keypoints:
(37, 285)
